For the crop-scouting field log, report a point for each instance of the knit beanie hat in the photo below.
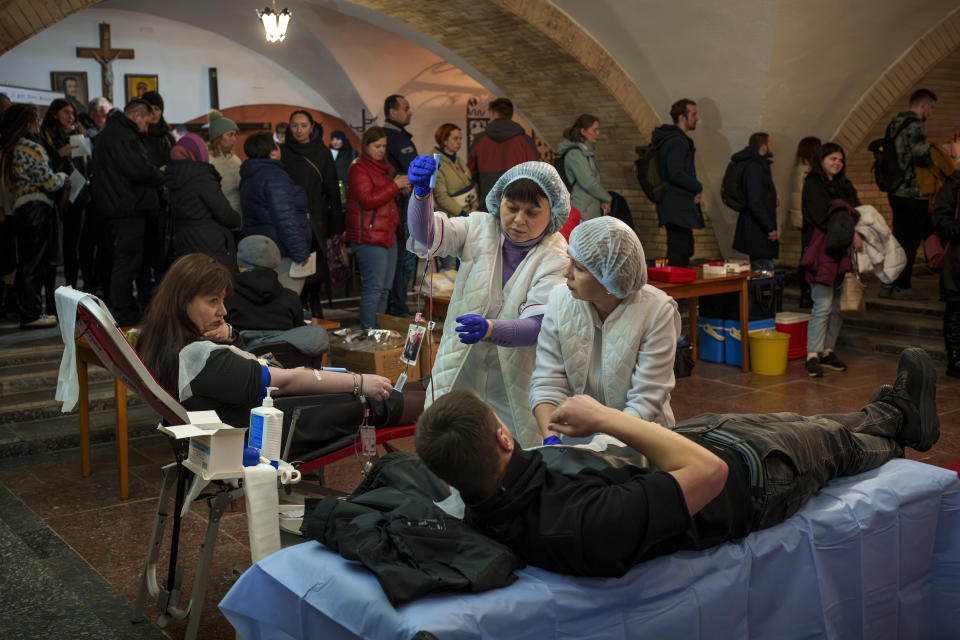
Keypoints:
(190, 147)
(338, 134)
(153, 99)
(219, 125)
(258, 251)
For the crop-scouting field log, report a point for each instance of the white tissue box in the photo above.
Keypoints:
(216, 449)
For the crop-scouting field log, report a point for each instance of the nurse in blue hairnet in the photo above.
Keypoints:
(511, 257)
(607, 334)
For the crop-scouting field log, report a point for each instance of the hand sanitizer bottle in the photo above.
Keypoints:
(266, 428)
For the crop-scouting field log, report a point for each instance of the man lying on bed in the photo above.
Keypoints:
(715, 477)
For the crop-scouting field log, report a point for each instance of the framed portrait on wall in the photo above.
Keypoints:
(73, 85)
(137, 84)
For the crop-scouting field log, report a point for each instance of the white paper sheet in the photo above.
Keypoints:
(302, 271)
(77, 181)
(83, 146)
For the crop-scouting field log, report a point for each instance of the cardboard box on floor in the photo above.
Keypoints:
(384, 362)
(425, 361)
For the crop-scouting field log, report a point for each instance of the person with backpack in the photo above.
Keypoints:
(756, 233)
(911, 217)
(581, 173)
(679, 208)
(826, 193)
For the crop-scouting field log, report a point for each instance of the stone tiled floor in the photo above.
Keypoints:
(81, 520)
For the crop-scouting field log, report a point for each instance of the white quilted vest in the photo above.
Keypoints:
(477, 290)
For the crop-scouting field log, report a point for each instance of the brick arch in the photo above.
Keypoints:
(899, 80)
(552, 71)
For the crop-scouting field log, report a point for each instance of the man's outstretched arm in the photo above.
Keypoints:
(700, 474)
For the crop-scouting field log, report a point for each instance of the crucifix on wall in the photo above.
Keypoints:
(105, 55)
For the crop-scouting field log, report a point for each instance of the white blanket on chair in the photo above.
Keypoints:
(68, 386)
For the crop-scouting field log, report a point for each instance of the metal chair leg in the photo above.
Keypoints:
(148, 579)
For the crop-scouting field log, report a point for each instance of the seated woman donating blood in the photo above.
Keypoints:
(607, 334)
(510, 259)
(188, 346)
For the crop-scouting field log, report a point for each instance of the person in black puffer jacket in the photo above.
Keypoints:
(125, 191)
(259, 301)
(201, 214)
(310, 164)
(756, 233)
(273, 205)
(158, 139)
(948, 228)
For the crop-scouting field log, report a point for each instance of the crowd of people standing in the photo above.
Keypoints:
(150, 196)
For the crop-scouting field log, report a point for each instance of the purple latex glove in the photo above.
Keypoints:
(551, 440)
(419, 174)
(472, 328)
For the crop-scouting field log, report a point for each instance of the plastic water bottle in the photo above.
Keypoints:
(266, 428)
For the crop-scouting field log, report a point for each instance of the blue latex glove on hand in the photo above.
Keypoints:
(472, 328)
(551, 440)
(419, 173)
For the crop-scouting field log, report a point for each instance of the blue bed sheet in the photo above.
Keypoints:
(871, 556)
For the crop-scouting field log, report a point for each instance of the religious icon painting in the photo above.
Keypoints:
(72, 84)
(137, 84)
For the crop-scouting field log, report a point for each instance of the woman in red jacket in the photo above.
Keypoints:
(373, 222)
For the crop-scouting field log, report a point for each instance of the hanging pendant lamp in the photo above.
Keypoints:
(274, 22)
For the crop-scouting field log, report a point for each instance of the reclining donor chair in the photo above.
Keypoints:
(318, 429)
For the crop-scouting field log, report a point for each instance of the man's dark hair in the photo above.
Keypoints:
(524, 191)
(259, 145)
(392, 102)
(66, 79)
(502, 108)
(455, 439)
(137, 105)
(758, 139)
(679, 108)
(922, 95)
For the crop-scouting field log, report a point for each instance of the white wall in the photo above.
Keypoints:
(178, 53)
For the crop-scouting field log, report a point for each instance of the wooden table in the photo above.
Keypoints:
(734, 282)
(86, 355)
(440, 304)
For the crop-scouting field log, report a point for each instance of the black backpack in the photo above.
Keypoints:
(731, 189)
(648, 169)
(558, 164)
(886, 164)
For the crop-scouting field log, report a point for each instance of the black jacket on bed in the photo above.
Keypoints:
(391, 525)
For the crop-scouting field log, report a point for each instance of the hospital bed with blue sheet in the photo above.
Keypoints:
(870, 556)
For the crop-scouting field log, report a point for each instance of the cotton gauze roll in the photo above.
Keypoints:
(263, 524)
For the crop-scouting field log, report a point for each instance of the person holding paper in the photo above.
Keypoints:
(63, 137)
(274, 206)
(373, 222)
(510, 260)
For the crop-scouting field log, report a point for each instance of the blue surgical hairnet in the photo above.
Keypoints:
(611, 252)
(548, 179)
